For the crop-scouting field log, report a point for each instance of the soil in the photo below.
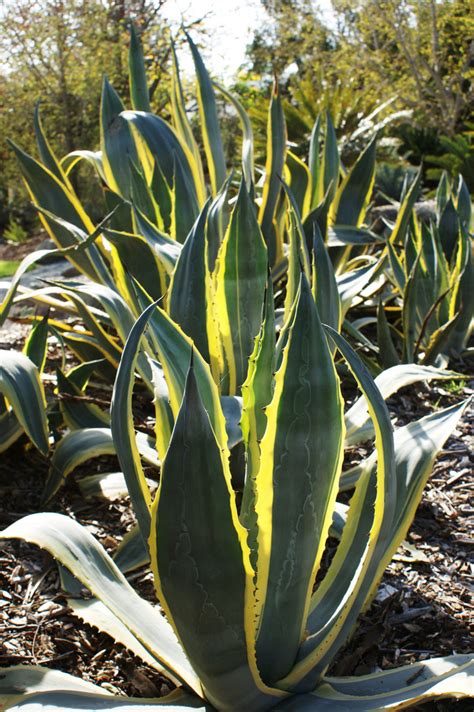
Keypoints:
(424, 607)
(18, 250)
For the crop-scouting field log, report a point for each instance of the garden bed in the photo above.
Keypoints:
(423, 608)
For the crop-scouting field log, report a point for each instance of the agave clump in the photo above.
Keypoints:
(431, 269)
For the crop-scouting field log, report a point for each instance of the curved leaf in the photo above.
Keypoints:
(10, 430)
(328, 175)
(404, 214)
(36, 343)
(92, 157)
(187, 302)
(82, 445)
(138, 258)
(340, 597)
(343, 235)
(122, 426)
(20, 384)
(116, 142)
(388, 355)
(132, 552)
(95, 613)
(257, 391)
(400, 688)
(77, 412)
(183, 128)
(217, 222)
(105, 485)
(79, 552)
(177, 701)
(211, 132)
(51, 194)
(416, 447)
(449, 229)
(353, 195)
(247, 139)
(136, 73)
(325, 289)
(314, 161)
(46, 152)
(239, 289)
(20, 680)
(351, 283)
(200, 559)
(74, 449)
(167, 250)
(358, 425)
(300, 182)
(276, 152)
(24, 265)
(173, 350)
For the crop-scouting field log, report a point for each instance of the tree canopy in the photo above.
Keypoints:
(420, 51)
(58, 51)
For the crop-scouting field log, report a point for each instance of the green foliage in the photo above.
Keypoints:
(457, 157)
(294, 34)
(59, 51)
(455, 387)
(8, 267)
(15, 232)
(419, 52)
(420, 49)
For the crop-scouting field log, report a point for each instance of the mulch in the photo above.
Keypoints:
(18, 250)
(424, 607)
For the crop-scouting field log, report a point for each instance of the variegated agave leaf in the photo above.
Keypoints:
(23, 401)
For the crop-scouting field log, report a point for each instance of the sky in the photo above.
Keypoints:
(230, 22)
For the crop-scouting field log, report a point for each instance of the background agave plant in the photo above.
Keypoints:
(425, 313)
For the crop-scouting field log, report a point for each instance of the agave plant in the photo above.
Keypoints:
(425, 312)
(245, 626)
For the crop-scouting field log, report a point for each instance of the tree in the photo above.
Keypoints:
(294, 33)
(324, 76)
(409, 61)
(422, 48)
(421, 51)
(57, 51)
